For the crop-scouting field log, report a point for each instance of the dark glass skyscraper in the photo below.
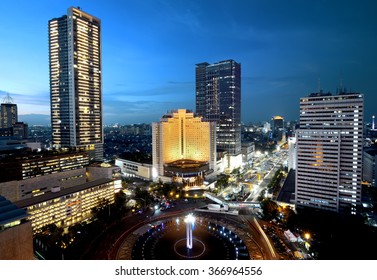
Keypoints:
(76, 81)
(218, 99)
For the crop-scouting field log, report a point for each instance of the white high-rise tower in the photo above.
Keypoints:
(329, 152)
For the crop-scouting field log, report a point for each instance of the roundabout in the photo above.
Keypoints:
(169, 238)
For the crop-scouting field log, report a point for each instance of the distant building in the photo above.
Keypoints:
(16, 236)
(329, 152)
(10, 146)
(67, 207)
(184, 148)
(247, 149)
(278, 128)
(371, 130)
(76, 82)
(370, 166)
(266, 127)
(277, 122)
(135, 169)
(20, 130)
(8, 115)
(218, 99)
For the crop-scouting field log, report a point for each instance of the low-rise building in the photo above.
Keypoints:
(26, 176)
(16, 237)
(135, 169)
(69, 206)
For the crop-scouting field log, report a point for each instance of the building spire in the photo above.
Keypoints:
(319, 85)
(7, 99)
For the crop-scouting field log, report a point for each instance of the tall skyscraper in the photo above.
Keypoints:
(184, 148)
(8, 113)
(329, 152)
(76, 81)
(218, 99)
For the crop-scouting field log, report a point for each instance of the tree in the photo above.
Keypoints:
(222, 181)
(270, 209)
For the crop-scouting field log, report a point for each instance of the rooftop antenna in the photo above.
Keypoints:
(319, 85)
(7, 99)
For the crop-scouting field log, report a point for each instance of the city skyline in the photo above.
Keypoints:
(150, 49)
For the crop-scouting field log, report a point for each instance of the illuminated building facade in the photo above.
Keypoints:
(67, 207)
(184, 148)
(218, 99)
(329, 152)
(277, 122)
(28, 176)
(76, 81)
(8, 115)
(26, 167)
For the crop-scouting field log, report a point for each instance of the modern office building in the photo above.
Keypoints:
(329, 152)
(67, 207)
(76, 82)
(218, 99)
(16, 237)
(8, 113)
(184, 148)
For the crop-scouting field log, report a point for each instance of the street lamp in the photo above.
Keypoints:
(307, 236)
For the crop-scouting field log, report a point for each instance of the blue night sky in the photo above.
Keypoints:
(150, 48)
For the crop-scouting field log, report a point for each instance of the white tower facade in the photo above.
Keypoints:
(329, 152)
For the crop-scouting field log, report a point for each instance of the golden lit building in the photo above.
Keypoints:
(76, 81)
(184, 148)
(68, 206)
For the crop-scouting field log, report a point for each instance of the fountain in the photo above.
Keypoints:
(189, 220)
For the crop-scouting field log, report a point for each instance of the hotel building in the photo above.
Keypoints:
(184, 148)
(329, 152)
(67, 207)
(76, 82)
(218, 99)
